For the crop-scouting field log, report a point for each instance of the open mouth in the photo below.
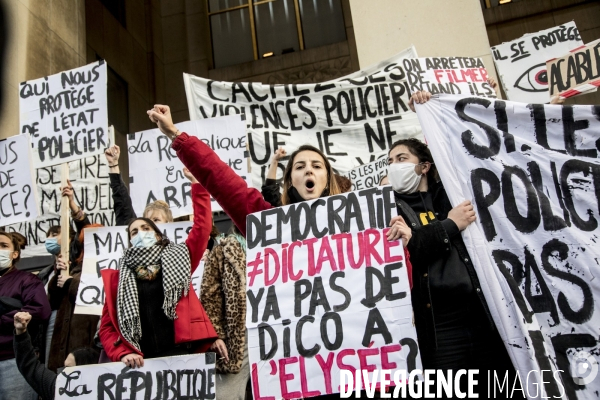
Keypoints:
(310, 184)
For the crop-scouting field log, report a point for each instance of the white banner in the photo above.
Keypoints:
(18, 191)
(368, 175)
(521, 63)
(66, 114)
(180, 377)
(155, 172)
(103, 247)
(352, 119)
(533, 175)
(91, 185)
(454, 75)
(325, 288)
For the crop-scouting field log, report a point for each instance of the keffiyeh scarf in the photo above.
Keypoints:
(174, 260)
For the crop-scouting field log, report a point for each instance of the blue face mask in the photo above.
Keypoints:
(144, 239)
(52, 246)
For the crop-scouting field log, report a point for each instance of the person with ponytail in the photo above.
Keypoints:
(151, 309)
(19, 291)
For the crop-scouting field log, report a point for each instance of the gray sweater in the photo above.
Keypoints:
(40, 378)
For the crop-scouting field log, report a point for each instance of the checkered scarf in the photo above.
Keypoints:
(175, 263)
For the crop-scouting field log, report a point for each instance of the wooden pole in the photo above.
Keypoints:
(65, 221)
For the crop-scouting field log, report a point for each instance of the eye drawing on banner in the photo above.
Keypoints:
(535, 79)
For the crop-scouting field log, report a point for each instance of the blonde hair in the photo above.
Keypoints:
(159, 205)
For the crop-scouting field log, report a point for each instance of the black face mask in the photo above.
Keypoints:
(295, 197)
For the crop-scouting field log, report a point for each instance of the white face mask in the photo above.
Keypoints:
(5, 259)
(403, 178)
(144, 239)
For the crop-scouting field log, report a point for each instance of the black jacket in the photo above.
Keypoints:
(436, 248)
(122, 201)
(40, 378)
(271, 192)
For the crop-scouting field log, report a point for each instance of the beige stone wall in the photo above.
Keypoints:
(44, 38)
(436, 28)
(513, 20)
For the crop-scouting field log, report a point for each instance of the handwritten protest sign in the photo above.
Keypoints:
(155, 172)
(368, 175)
(454, 75)
(521, 63)
(103, 247)
(18, 192)
(326, 290)
(533, 174)
(66, 114)
(180, 377)
(91, 185)
(352, 119)
(577, 72)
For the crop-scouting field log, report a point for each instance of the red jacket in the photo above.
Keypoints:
(229, 190)
(192, 323)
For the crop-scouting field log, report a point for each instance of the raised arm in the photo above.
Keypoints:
(197, 240)
(121, 199)
(230, 190)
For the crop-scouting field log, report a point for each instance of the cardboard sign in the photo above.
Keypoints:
(521, 63)
(352, 119)
(155, 172)
(532, 173)
(66, 114)
(325, 290)
(368, 175)
(454, 75)
(180, 377)
(103, 248)
(91, 185)
(577, 72)
(18, 191)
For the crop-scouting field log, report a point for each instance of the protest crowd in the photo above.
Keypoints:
(150, 308)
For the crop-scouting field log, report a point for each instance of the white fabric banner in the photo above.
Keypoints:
(324, 284)
(533, 175)
(521, 63)
(155, 172)
(18, 191)
(352, 119)
(179, 377)
(91, 185)
(66, 114)
(453, 75)
(103, 247)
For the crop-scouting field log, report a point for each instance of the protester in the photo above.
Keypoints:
(308, 175)
(157, 211)
(41, 379)
(19, 291)
(67, 330)
(271, 190)
(151, 309)
(453, 321)
(223, 295)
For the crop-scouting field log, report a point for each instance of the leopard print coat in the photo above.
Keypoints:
(223, 295)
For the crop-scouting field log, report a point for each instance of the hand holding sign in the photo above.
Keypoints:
(399, 229)
(462, 215)
(189, 175)
(419, 97)
(22, 319)
(219, 347)
(161, 116)
(133, 360)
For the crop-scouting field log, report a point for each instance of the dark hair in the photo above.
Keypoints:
(163, 242)
(53, 230)
(344, 183)
(85, 356)
(332, 184)
(18, 241)
(421, 151)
